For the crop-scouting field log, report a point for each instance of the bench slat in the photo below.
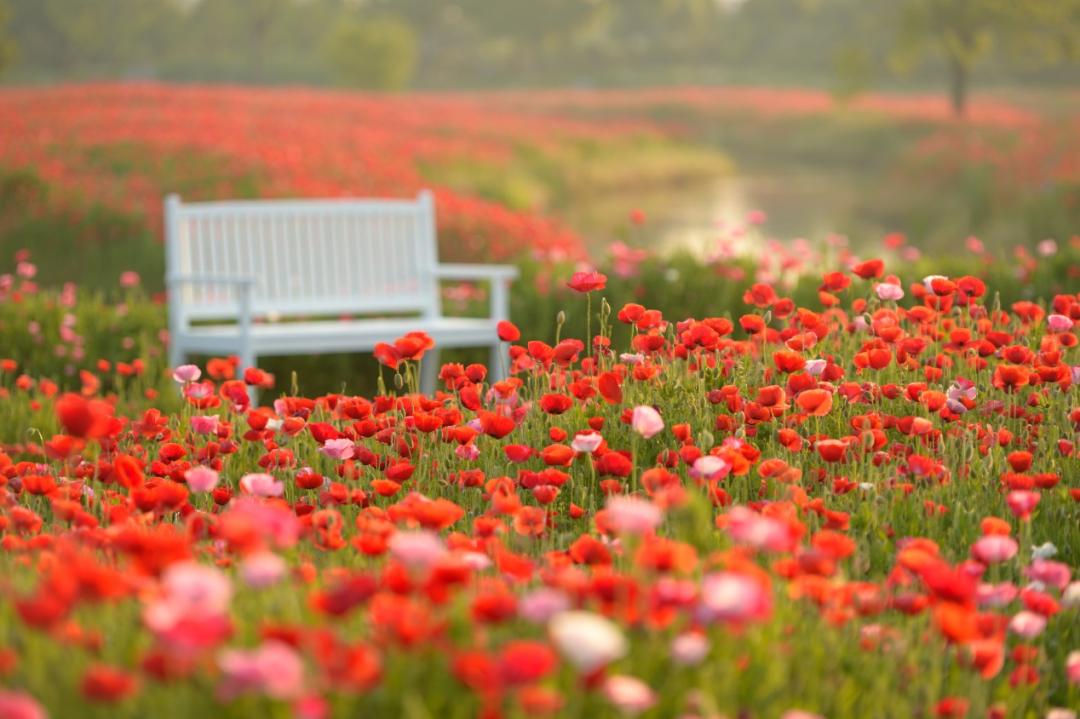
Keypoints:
(380, 248)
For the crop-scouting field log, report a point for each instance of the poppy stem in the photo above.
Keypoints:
(588, 322)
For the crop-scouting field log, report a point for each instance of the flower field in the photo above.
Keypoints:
(793, 482)
(125, 146)
(84, 167)
(863, 503)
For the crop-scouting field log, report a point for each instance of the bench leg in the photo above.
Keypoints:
(495, 363)
(176, 354)
(429, 371)
(177, 357)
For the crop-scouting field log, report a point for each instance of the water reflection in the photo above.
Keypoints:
(721, 213)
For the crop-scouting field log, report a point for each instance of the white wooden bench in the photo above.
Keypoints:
(291, 277)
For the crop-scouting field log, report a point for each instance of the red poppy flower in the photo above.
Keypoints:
(556, 403)
(508, 331)
(815, 402)
(107, 684)
(832, 450)
(82, 417)
(610, 387)
(387, 355)
(496, 425)
(869, 269)
(587, 281)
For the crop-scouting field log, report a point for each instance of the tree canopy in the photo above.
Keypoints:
(7, 45)
(964, 33)
(391, 44)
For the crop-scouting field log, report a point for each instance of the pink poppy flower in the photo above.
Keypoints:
(18, 705)
(1046, 248)
(1059, 323)
(632, 515)
(1072, 667)
(887, 291)
(733, 597)
(201, 479)
(587, 641)
(262, 569)
(198, 390)
(586, 442)
(689, 648)
(1070, 598)
(994, 549)
(276, 525)
(339, 449)
(540, 605)
(205, 424)
(273, 669)
(996, 595)
(1022, 502)
(646, 421)
(191, 614)
(1027, 624)
(418, 550)
(746, 526)
(710, 467)
(469, 452)
(186, 373)
(962, 389)
(192, 588)
(629, 695)
(1050, 573)
(262, 485)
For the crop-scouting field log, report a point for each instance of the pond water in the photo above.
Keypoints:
(798, 203)
(702, 214)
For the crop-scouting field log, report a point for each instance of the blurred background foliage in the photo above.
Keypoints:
(847, 45)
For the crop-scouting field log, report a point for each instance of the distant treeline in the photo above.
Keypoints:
(397, 44)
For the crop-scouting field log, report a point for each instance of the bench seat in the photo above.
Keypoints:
(330, 336)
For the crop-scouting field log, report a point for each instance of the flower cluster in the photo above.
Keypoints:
(864, 508)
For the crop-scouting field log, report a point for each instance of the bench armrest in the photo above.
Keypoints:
(454, 271)
(244, 286)
(499, 275)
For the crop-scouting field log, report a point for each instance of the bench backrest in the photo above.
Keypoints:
(308, 257)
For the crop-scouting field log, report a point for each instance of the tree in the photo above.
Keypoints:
(7, 46)
(660, 37)
(59, 38)
(486, 41)
(964, 32)
(372, 54)
(237, 41)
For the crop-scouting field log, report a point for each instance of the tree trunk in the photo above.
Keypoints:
(958, 86)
